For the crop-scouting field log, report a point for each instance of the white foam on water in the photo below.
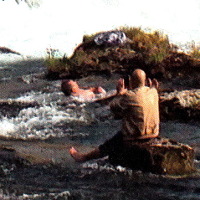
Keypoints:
(65, 195)
(104, 166)
(6, 127)
(47, 119)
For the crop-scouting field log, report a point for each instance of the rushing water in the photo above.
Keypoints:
(52, 122)
(61, 24)
(56, 122)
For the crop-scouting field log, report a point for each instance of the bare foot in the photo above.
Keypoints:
(78, 157)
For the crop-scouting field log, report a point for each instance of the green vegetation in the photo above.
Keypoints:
(195, 52)
(53, 63)
(150, 51)
(154, 46)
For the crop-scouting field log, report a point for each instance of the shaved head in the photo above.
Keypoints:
(138, 78)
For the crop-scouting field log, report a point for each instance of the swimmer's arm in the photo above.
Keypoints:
(98, 90)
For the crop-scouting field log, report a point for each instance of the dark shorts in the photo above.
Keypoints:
(113, 145)
(120, 154)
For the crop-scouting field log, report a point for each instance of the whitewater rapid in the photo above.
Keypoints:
(48, 118)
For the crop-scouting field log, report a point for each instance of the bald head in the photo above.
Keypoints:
(138, 78)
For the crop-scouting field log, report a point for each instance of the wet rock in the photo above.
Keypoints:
(10, 160)
(11, 108)
(159, 155)
(171, 157)
(180, 105)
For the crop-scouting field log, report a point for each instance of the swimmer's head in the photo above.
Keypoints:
(68, 86)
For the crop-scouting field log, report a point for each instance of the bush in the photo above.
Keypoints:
(150, 51)
(195, 52)
(154, 46)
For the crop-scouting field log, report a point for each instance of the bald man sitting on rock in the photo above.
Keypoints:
(138, 107)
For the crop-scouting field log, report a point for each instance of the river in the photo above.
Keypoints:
(46, 130)
(41, 124)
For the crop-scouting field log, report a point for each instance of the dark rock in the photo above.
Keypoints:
(158, 155)
(10, 160)
(11, 108)
(180, 105)
(7, 50)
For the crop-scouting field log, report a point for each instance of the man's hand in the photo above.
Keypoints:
(149, 82)
(152, 83)
(121, 87)
(155, 83)
(100, 90)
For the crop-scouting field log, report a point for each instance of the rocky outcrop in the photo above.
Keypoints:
(151, 52)
(159, 155)
(11, 108)
(180, 105)
(7, 50)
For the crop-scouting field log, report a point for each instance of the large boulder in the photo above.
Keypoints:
(159, 155)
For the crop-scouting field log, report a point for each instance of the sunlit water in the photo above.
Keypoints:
(85, 123)
(61, 25)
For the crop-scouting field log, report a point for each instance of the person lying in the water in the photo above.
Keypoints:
(70, 87)
(138, 108)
